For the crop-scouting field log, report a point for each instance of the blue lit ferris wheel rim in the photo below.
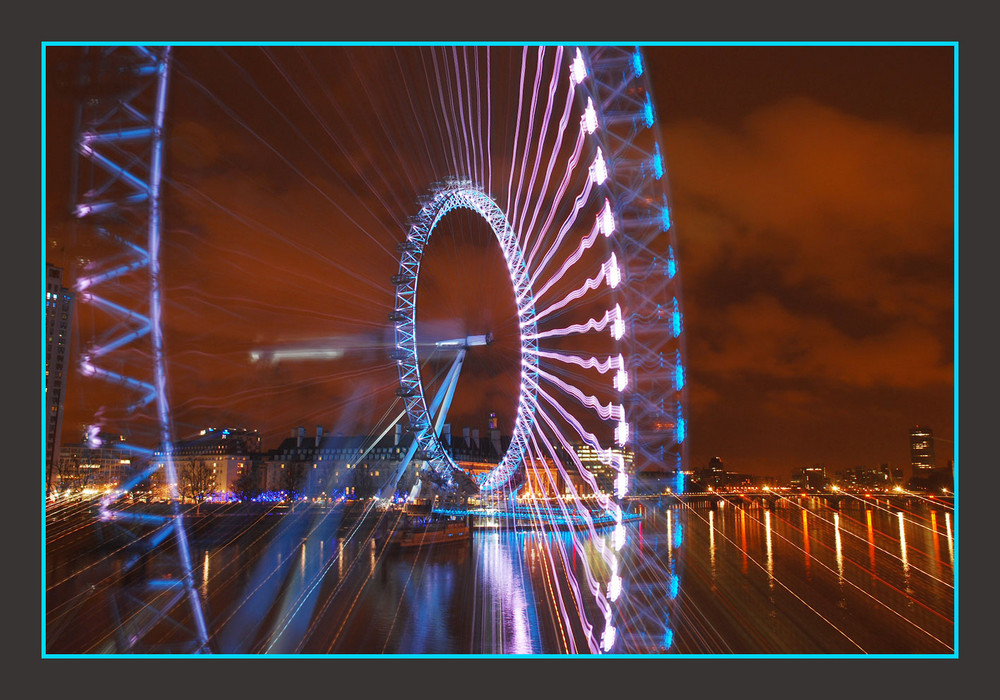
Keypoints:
(454, 194)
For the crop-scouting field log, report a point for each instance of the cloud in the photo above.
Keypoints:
(861, 210)
(764, 338)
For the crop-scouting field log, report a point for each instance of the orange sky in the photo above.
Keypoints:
(812, 195)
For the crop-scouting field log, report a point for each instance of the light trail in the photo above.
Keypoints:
(794, 594)
(609, 273)
(612, 318)
(614, 362)
(347, 153)
(564, 228)
(880, 549)
(228, 111)
(869, 595)
(448, 79)
(611, 411)
(556, 200)
(519, 216)
(529, 132)
(585, 243)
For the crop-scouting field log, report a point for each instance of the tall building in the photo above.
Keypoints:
(922, 450)
(58, 322)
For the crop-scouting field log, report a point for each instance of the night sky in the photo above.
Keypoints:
(812, 192)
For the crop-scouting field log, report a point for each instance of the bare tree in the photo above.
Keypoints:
(291, 479)
(197, 480)
(69, 472)
(247, 485)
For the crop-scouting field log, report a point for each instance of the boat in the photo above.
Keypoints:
(417, 530)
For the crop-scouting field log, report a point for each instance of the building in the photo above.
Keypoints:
(58, 324)
(813, 478)
(327, 466)
(922, 451)
(881, 477)
(213, 461)
(105, 468)
(475, 454)
(602, 466)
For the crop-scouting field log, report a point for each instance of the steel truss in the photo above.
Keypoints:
(119, 145)
(452, 194)
(617, 84)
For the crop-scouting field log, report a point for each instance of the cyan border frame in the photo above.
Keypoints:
(955, 310)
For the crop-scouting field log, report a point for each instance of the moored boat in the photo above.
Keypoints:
(419, 531)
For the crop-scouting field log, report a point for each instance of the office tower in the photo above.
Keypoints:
(58, 322)
(922, 450)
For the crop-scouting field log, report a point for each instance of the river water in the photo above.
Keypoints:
(697, 578)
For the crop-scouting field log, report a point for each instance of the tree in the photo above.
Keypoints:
(197, 480)
(291, 479)
(69, 472)
(247, 485)
(142, 489)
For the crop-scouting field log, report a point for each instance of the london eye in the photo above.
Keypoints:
(523, 190)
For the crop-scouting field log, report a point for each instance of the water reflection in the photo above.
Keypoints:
(505, 583)
(770, 553)
(951, 543)
(711, 540)
(902, 545)
(840, 553)
(743, 537)
(805, 539)
(934, 538)
(204, 576)
(871, 539)
(526, 593)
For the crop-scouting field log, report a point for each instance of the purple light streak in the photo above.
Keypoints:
(612, 317)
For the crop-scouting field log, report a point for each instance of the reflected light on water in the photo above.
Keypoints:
(902, 543)
(840, 554)
(934, 537)
(743, 537)
(951, 543)
(711, 540)
(770, 554)
(204, 577)
(805, 536)
(508, 594)
(871, 539)
(670, 534)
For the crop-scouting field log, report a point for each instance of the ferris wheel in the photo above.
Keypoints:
(615, 170)
(550, 152)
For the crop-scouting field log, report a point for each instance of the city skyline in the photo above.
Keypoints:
(812, 197)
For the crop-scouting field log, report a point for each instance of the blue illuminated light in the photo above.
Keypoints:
(675, 320)
(679, 376)
(648, 112)
(535, 515)
(668, 638)
(679, 480)
(657, 162)
(671, 263)
(637, 63)
(665, 216)
(675, 583)
(681, 425)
